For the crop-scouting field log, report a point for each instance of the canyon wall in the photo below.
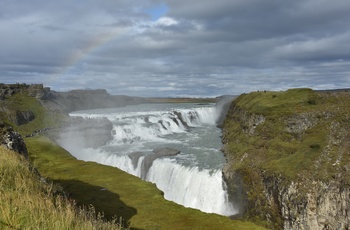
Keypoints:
(288, 158)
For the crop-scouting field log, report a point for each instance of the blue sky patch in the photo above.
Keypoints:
(157, 11)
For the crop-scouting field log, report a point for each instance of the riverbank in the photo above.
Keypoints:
(116, 193)
(106, 189)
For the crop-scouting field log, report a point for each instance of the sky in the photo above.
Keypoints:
(176, 48)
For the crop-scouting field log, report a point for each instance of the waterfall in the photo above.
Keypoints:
(192, 178)
(191, 187)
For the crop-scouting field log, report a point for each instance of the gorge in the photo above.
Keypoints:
(176, 146)
(286, 160)
(289, 158)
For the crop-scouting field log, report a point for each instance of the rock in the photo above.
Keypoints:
(149, 157)
(290, 164)
(12, 140)
(325, 205)
(135, 156)
(179, 116)
(22, 117)
(161, 152)
(37, 91)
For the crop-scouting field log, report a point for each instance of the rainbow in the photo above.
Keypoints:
(77, 56)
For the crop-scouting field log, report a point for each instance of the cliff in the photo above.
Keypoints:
(34, 90)
(288, 158)
(63, 102)
(12, 140)
(90, 99)
(34, 109)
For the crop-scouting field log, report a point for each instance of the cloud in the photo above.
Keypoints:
(176, 48)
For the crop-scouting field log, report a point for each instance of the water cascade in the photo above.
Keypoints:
(175, 146)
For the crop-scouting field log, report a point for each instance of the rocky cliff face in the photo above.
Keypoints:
(12, 140)
(288, 158)
(16, 116)
(309, 204)
(37, 91)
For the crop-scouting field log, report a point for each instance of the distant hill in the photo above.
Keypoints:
(69, 101)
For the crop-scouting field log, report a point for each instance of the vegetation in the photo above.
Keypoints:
(28, 203)
(116, 193)
(22, 102)
(298, 128)
(297, 135)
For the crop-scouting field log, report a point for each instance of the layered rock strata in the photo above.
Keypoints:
(288, 167)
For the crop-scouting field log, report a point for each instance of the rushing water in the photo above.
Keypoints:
(192, 178)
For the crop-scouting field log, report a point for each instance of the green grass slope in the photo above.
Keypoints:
(106, 189)
(116, 193)
(28, 203)
(297, 135)
(305, 133)
(22, 102)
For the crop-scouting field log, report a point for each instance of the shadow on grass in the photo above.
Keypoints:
(104, 201)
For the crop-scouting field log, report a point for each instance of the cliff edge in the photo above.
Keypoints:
(63, 102)
(288, 158)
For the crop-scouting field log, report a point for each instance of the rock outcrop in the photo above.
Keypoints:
(320, 205)
(37, 91)
(288, 158)
(12, 140)
(16, 116)
(22, 117)
(149, 157)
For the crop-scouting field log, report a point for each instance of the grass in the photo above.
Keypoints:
(304, 137)
(22, 102)
(276, 103)
(102, 189)
(116, 193)
(27, 203)
(289, 153)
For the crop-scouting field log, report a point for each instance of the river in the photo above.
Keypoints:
(192, 178)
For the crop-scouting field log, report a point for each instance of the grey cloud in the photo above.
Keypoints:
(198, 48)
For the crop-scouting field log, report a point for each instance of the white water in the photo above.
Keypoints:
(193, 178)
(191, 187)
